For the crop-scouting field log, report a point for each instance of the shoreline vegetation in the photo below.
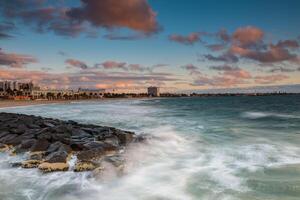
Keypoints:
(6, 103)
(49, 144)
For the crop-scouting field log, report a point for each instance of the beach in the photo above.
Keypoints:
(13, 103)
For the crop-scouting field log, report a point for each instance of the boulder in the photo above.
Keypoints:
(40, 145)
(52, 167)
(3, 147)
(31, 163)
(57, 157)
(9, 139)
(4, 133)
(58, 146)
(91, 154)
(37, 155)
(27, 144)
(85, 166)
(125, 137)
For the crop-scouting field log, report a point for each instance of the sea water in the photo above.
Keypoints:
(208, 148)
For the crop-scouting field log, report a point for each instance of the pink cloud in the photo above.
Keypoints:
(76, 63)
(114, 65)
(188, 40)
(14, 60)
(133, 14)
(269, 79)
(248, 35)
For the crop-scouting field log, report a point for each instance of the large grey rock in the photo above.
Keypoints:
(40, 145)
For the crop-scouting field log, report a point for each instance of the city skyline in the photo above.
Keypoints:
(178, 46)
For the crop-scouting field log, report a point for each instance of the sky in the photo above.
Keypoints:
(128, 45)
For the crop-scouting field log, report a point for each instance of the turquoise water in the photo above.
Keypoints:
(210, 148)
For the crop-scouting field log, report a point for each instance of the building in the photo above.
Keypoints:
(51, 94)
(153, 91)
(92, 93)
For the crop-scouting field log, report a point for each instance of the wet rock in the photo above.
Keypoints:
(4, 133)
(125, 137)
(8, 139)
(97, 172)
(26, 144)
(37, 155)
(85, 166)
(16, 164)
(31, 163)
(50, 142)
(58, 146)
(52, 167)
(57, 157)
(91, 154)
(116, 161)
(40, 145)
(3, 147)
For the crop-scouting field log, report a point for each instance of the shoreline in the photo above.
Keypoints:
(20, 103)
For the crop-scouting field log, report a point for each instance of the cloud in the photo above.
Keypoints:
(246, 36)
(137, 67)
(14, 60)
(5, 29)
(248, 43)
(293, 44)
(44, 16)
(217, 81)
(133, 14)
(271, 55)
(224, 68)
(88, 78)
(269, 79)
(225, 57)
(192, 69)
(114, 65)
(283, 69)
(190, 39)
(216, 47)
(115, 36)
(76, 63)
(223, 35)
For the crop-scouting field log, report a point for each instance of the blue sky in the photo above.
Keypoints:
(161, 39)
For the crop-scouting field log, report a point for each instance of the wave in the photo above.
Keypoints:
(258, 115)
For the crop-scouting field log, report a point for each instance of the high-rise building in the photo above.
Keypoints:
(153, 91)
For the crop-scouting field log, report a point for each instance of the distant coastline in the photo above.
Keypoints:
(7, 103)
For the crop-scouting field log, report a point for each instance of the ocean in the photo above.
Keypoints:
(210, 148)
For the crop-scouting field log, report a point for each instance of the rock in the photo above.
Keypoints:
(125, 137)
(57, 157)
(8, 139)
(3, 147)
(114, 141)
(20, 129)
(37, 155)
(98, 171)
(27, 144)
(48, 124)
(58, 146)
(51, 141)
(116, 161)
(91, 154)
(45, 135)
(85, 166)
(3, 134)
(16, 164)
(31, 163)
(40, 145)
(52, 167)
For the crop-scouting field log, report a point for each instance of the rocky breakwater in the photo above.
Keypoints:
(48, 144)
